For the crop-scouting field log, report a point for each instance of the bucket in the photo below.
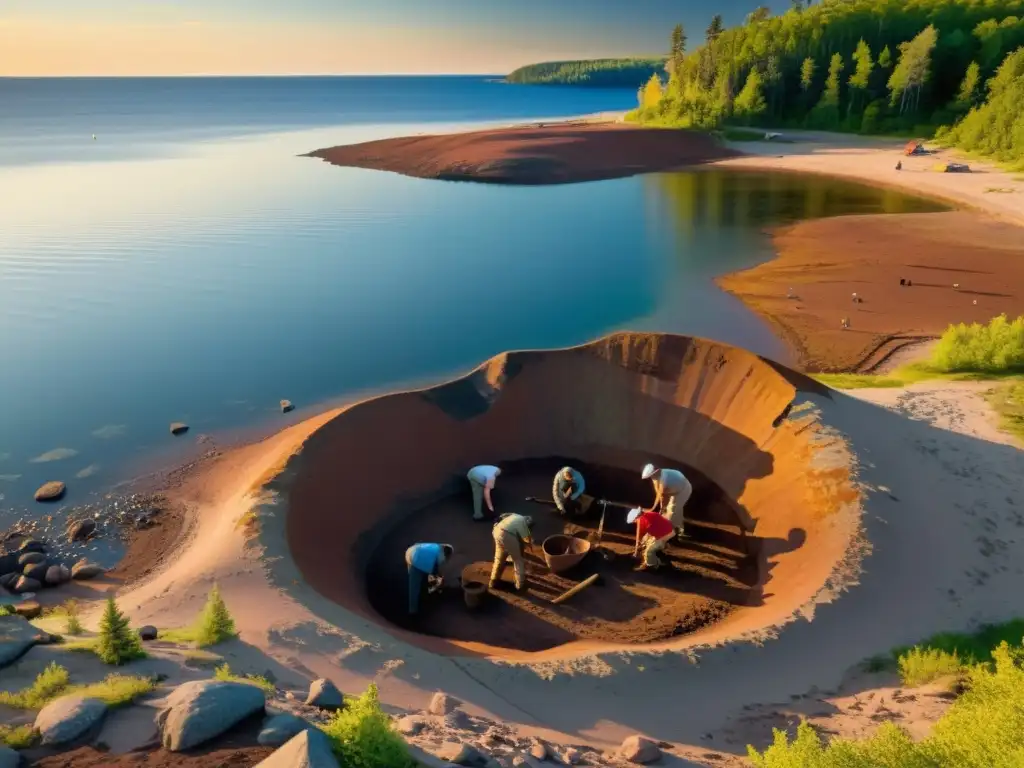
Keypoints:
(473, 592)
(562, 552)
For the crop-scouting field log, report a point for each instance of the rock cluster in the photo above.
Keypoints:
(29, 568)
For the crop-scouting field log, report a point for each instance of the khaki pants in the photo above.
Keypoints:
(478, 499)
(672, 508)
(508, 545)
(652, 547)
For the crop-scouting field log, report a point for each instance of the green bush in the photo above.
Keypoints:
(46, 687)
(72, 624)
(117, 643)
(993, 348)
(920, 666)
(17, 736)
(223, 672)
(216, 624)
(363, 736)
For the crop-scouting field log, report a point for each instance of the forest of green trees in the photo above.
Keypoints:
(595, 73)
(872, 66)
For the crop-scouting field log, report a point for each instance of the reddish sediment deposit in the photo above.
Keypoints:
(774, 513)
(553, 153)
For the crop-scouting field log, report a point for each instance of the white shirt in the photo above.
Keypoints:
(673, 481)
(484, 474)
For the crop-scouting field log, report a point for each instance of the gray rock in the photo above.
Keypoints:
(80, 530)
(286, 406)
(31, 558)
(83, 570)
(570, 756)
(309, 749)
(458, 720)
(24, 585)
(538, 749)
(57, 574)
(148, 632)
(51, 491)
(9, 563)
(280, 729)
(9, 758)
(410, 725)
(637, 749)
(201, 710)
(35, 571)
(324, 694)
(68, 718)
(30, 609)
(442, 704)
(463, 754)
(178, 428)
(8, 579)
(31, 545)
(16, 637)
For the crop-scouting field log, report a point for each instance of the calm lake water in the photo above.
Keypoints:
(187, 265)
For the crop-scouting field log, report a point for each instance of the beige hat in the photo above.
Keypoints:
(634, 513)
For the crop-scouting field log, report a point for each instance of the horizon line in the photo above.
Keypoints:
(240, 76)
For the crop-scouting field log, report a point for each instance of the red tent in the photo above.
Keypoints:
(913, 148)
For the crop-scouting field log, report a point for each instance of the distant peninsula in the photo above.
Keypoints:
(591, 73)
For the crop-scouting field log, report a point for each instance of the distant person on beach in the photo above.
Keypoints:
(653, 531)
(511, 533)
(671, 492)
(425, 563)
(567, 489)
(481, 481)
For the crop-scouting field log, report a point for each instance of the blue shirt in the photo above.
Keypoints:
(558, 491)
(425, 557)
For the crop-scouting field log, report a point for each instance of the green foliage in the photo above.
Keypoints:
(17, 737)
(72, 624)
(1008, 402)
(981, 729)
(6, 610)
(223, 672)
(595, 73)
(750, 102)
(968, 93)
(47, 686)
(117, 643)
(993, 348)
(920, 666)
(912, 70)
(215, 624)
(116, 690)
(363, 736)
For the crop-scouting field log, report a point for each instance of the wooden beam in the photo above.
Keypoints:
(578, 588)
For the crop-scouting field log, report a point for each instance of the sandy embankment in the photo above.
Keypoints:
(825, 261)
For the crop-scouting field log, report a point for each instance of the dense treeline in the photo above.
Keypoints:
(857, 65)
(596, 73)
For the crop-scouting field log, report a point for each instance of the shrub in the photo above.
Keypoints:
(993, 348)
(223, 672)
(117, 642)
(363, 736)
(116, 690)
(920, 666)
(216, 624)
(48, 684)
(72, 625)
(17, 737)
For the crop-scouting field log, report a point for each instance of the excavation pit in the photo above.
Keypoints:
(390, 472)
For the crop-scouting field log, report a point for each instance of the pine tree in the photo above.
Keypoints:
(968, 94)
(715, 28)
(216, 624)
(913, 69)
(885, 59)
(860, 80)
(117, 643)
(807, 70)
(750, 102)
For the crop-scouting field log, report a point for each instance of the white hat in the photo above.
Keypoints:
(634, 513)
(648, 471)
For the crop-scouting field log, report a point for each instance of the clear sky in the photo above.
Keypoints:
(197, 37)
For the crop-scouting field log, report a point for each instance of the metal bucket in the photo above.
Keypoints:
(473, 592)
(562, 552)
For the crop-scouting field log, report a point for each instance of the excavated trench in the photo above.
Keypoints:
(773, 512)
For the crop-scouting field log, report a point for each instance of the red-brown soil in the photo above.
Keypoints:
(825, 261)
(713, 571)
(555, 153)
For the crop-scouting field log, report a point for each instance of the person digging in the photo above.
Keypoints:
(654, 532)
(481, 480)
(426, 562)
(566, 491)
(671, 492)
(511, 533)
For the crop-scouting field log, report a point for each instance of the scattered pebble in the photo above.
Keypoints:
(51, 491)
(286, 406)
(179, 428)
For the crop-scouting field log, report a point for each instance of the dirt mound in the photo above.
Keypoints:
(390, 471)
(557, 153)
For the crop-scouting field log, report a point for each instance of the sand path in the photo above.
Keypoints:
(943, 517)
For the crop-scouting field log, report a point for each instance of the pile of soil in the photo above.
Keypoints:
(556, 153)
(714, 570)
(826, 261)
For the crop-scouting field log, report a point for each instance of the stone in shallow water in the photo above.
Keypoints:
(178, 428)
(83, 570)
(25, 585)
(51, 491)
(80, 530)
(31, 558)
(286, 406)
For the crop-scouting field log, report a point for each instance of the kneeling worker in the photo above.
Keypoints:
(567, 489)
(481, 480)
(653, 531)
(425, 562)
(671, 492)
(511, 532)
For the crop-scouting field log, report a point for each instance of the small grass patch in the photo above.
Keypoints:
(1008, 402)
(224, 672)
(55, 681)
(363, 736)
(857, 381)
(17, 737)
(49, 684)
(116, 690)
(214, 626)
(920, 666)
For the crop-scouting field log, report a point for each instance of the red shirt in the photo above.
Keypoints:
(654, 524)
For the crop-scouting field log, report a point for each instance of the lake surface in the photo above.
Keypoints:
(188, 265)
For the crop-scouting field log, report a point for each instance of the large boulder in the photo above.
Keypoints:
(282, 728)
(324, 694)
(309, 749)
(83, 570)
(201, 710)
(24, 585)
(637, 749)
(57, 574)
(68, 718)
(8, 579)
(51, 491)
(16, 637)
(9, 758)
(148, 632)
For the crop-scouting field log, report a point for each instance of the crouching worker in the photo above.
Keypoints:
(567, 489)
(425, 563)
(511, 533)
(653, 531)
(481, 481)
